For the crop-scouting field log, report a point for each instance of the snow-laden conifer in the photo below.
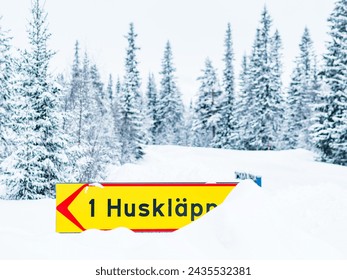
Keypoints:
(207, 113)
(329, 130)
(301, 95)
(170, 109)
(132, 135)
(266, 106)
(226, 133)
(6, 79)
(152, 107)
(39, 161)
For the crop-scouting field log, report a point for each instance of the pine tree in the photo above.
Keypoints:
(64, 85)
(132, 80)
(265, 89)
(97, 87)
(39, 161)
(152, 96)
(301, 95)
(329, 130)
(71, 93)
(110, 88)
(188, 127)
(207, 108)
(170, 106)
(277, 100)
(22, 173)
(226, 134)
(131, 129)
(116, 106)
(249, 102)
(76, 78)
(242, 110)
(6, 77)
(118, 88)
(316, 87)
(86, 104)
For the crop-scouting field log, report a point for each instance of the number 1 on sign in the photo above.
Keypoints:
(92, 207)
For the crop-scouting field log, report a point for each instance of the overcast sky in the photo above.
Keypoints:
(196, 29)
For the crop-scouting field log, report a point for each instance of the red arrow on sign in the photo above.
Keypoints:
(63, 207)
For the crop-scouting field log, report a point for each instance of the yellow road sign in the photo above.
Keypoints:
(141, 207)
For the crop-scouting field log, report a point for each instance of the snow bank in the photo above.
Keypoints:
(299, 213)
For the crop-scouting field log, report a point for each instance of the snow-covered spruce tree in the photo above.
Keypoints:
(84, 105)
(329, 131)
(98, 93)
(132, 80)
(6, 77)
(242, 110)
(109, 89)
(301, 94)
(111, 104)
(115, 107)
(39, 160)
(321, 128)
(64, 88)
(265, 88)
(76, 78)
(277, 100)
(132, 135)
(247, 111)
(152, 96)
(226, 133)
(188, 127)
(316, 88)
(21, 173)
(170, 106)
(207, 108)
(118, 88)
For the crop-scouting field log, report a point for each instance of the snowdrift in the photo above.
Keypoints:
(299, 213)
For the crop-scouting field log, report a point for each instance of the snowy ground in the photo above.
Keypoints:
(299, 213)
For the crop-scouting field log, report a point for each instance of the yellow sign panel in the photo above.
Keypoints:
(141, 207)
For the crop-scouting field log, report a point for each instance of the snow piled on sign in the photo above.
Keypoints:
(299, 213)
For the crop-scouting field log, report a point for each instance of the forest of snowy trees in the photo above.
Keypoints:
(70, 128)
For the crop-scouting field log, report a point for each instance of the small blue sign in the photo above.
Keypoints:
(245, 175)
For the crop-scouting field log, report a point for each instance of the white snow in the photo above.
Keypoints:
(299, 213)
